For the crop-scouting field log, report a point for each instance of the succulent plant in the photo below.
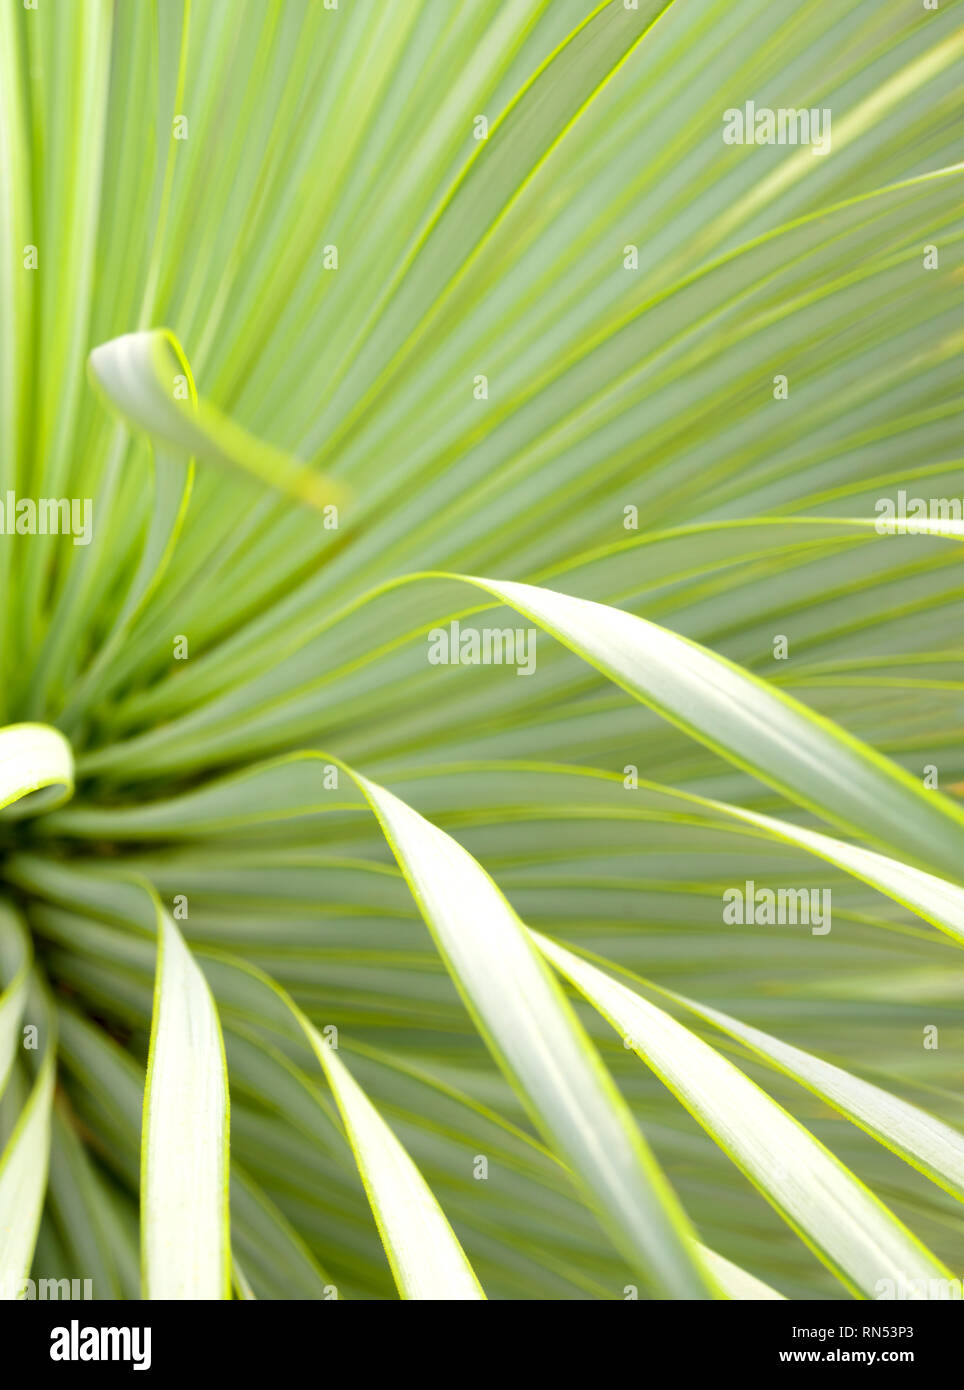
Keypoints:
(357, 359)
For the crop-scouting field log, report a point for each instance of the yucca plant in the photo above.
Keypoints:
(473, 892)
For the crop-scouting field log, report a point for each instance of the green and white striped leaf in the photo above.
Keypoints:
(849, 1228)
(753, 724)
(24, 1162)
(424, 1254)
(933, 898)
(426, 1258)
(186, 1248)
(927, 1143)
(537, 1041)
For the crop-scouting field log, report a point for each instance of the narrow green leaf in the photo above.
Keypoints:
(536, 1038)
(931, 897)
(23, 1165)
(925, 1142)
(276, 1259)
(18, 308)
(145, 377)
(186, 1249)
(527, 131)
(16, 957)
(756, 726)
(173, 481)
(845, 1225)
(76, 1199)
(426, 1258)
